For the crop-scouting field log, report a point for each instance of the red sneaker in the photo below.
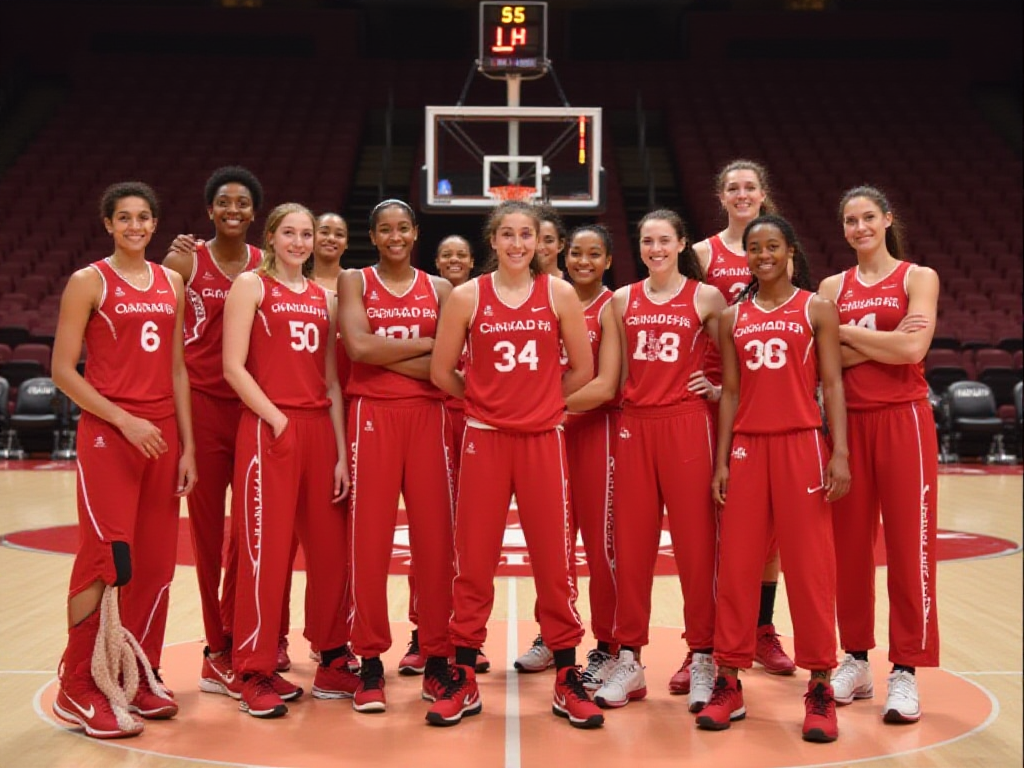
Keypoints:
(153, 703)
(572, 702)
(217, 675)
(769, 654)
(460, 697)
(483, 664)
(286, 689)
(81, 703)
(820, 722)
(369, 695)
(725, 706)
(435, 678)
(284, 662)
(414, 662)
(259, 698)
(680, 682)
(335, 681)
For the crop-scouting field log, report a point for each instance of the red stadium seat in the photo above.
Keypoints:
(39, 353)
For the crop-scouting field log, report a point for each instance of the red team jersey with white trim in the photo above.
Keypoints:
(513, 373)
(411, 315)
(778, 363)
(206, 290)
(729, 273)
(287, 347)
(130, 342)
(879, 307)
(665, 344)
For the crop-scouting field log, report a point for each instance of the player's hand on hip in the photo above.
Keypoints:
(700, 385)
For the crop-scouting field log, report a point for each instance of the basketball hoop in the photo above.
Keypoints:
(512, 192)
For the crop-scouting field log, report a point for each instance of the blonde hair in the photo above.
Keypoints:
(269, 264)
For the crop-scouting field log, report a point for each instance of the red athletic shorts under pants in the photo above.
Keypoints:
(777, 479)
(494, 465)
(124, 496)
(894, 471)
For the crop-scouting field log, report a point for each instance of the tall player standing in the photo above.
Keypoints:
(135, 461)
(887, 308)
(664, 455)
(512, 320)
(290, 469)
(233, 195)
(742, 188)
(401, 445)
(773, 471)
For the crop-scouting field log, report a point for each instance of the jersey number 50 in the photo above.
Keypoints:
(305, 336)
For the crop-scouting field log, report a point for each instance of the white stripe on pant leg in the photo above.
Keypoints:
(512, 756)
(924, 568)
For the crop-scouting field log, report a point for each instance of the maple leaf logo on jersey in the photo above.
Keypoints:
(635, 304)
(653, 347)
(118, 291)
(374, 296)
(208, 276)
(488, 312)
(275, 291)
(848, 294)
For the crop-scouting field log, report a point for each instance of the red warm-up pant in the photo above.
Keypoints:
(493, 466)
(400, 447)
(123, 496)
(777, 481)
(664, 460)
(590, 440)
(894, 471)
(284, 486)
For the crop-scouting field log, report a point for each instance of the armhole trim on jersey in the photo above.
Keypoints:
(476, 304)
(366, 283)
(170, 282)
(906, 280)
(103, 283)
(842, 284)
(433, 287)
(257, 252)
(551, 297)
(195, 268)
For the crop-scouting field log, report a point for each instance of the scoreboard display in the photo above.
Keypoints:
(513, 37)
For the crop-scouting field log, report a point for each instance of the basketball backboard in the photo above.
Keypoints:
(473, 154)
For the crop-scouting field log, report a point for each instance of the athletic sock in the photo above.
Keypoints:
(766, 613)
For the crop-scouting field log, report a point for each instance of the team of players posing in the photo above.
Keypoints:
(456, 398)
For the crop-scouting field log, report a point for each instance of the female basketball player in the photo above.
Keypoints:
(454, 262)
(290, 469)
(664, 454)
(887, 308)
(136, 459)
(551, 239)
(742, 188)
(233, 195)
(511, 322)
(773, 469)
(401, 440)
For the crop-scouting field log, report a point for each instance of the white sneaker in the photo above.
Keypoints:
(599, 668)
(902, 704)
(852, 680)
(702, 681)
(625, 683)
(538, 658)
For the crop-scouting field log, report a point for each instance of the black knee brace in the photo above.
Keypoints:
(122, 562)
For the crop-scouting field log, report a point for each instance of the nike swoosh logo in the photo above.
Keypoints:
(815, 490)
(418, 298)
(678, 306)
(888, 287)
(89, 713)
(537, 309)
(161, 291)
(789, 311)
(229, 678)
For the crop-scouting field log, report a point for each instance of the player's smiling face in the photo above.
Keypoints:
(548, 247)
(232, 211)
(331, 239)
(132, 225)
(292, 241)
(864, 224)
(660, 246)
(768, 253)
(742, 195)
(515, 241)
(587, 259)
(394, 234)
(454, 260)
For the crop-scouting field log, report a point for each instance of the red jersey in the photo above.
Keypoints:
(206, 290)
(342, 362)
(729, 273)
(880, 307)
(513, 375)
(130, 342)
(411, 315)
(778, 367)
(664, 345)
(287, 348)
(592, 313)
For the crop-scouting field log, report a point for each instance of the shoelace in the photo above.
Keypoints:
(595, 660)
(622, 672)
(847, 671)
(453, 682)
(574, 683)
(264, 685)
(720, 693)
(773, 641)
(817, 699)
(702, 674)
(902, 686)
(538, 646)
(414, 646)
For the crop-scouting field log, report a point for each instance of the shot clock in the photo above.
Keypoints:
(513, 38)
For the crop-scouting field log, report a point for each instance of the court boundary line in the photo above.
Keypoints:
(513, 746)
